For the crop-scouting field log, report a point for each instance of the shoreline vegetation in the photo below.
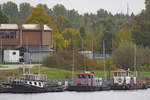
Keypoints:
(55, 73)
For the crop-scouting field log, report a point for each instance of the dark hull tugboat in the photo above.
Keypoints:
(31, 83)
(123, 80)
(85, 81)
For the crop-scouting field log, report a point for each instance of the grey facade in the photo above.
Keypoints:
(36, 53)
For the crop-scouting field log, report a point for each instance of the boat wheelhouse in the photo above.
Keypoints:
(85, 81)
(124, 80)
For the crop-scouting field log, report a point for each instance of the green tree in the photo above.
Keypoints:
(123, 56)
(59, 9)
(3, 18)
(62, 22)
(11, 9)
(25, 10)
(147, 4)
(141, 34)
(73, 37)
(38, 16)
(59, 42)
(124, 35)
(44, 7)
(82, 32)
(0, 7)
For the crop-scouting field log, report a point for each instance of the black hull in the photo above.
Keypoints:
(84, 88)
(128, 87)
(32, 89)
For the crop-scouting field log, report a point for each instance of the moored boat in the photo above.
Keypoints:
(31, 83)
(85, 81)
(123, 80)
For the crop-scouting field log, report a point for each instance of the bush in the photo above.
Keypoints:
(64, 60)
(124, 56)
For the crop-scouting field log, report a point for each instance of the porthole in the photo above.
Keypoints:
(35, 83)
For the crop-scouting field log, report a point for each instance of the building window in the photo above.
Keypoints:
(8, 34)
(14, 53)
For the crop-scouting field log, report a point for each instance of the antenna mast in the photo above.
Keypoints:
(135, 60)
(104, 59)
(127, 16)
(73, 64)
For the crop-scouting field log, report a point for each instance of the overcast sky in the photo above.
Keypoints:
(82, 6)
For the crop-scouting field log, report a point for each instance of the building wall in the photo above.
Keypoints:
(31, 37)
(47, 38)
(10, 42)
(1, 56)
(35, 56)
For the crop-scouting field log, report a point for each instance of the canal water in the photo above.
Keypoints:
(101, 95)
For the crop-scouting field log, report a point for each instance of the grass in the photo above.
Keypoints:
(54, 73)
(17, 63)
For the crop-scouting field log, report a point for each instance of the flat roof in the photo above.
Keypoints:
(24, 27)
(84, 73)
(9, 26)
(121, 71)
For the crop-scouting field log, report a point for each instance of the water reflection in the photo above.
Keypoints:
(101, 95)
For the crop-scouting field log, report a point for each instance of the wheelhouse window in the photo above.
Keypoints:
(115, 74)
(35, 83)
(30, 82)
(82, 76)
(39, 84)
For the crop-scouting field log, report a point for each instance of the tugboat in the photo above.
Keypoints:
(123, 80)
(85, 81)
(31, 83)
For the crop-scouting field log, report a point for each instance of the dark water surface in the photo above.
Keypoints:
(101, 95)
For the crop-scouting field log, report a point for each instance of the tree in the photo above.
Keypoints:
(62, 22)
(59, 42)
(123, 56)
(59, 9)
(124, 35)
(73, 36)
(38, 16)
(3, 18)
(0, 7)
(11, 9)
(141, 34)
(44, 7)
(82, 32)
(147, 4)
(25, 10)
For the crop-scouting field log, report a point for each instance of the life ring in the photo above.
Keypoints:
(85, 82)
(119, 80)
(78, 82)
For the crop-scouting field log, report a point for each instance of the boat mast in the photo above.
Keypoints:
(135, 60)
(39, 59)
(73, 64)
(104, 59)
(1, 51)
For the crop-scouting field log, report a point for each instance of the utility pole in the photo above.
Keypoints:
(1, 52)
(92, 49)
(73, 64)
(39, 59)
(135, 60)
(104, 56)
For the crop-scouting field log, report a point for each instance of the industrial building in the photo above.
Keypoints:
(34, 41)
